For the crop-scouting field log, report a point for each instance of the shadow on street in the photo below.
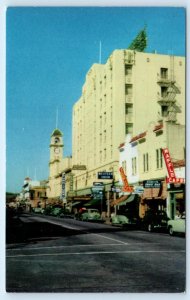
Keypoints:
(18, 231)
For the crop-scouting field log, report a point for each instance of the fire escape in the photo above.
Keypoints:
(169, 89)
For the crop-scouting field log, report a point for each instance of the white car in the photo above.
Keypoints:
(90, 214)
(176, 226)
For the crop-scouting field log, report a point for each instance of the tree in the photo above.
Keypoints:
(140, 42)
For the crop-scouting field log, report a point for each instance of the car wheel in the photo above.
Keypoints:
(150, 228)
(171, 231)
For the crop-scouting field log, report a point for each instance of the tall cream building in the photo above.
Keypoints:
(123, 97)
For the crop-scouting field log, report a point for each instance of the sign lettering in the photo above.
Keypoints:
(172, 177)
(175, 180)
(168, 163)
(151, 184)
(126, 187)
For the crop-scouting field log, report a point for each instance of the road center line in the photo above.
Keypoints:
(96, 253)
(105, 237)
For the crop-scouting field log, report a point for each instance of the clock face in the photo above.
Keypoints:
(56, 140)
(56, 150)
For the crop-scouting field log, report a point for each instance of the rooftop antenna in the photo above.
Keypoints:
(56, 119)
(100, 53)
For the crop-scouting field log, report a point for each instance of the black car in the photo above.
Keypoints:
(155, 220)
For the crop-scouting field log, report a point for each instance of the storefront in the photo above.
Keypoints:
(154, 196)
(176, 200)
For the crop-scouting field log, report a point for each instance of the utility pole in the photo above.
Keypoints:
(108, 204)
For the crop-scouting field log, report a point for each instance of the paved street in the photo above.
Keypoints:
(65, 255)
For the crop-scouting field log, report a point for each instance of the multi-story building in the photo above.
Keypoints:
(123, 96)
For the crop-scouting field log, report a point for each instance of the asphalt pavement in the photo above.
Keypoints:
(49, 254)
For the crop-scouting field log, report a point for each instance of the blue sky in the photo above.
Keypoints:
(49, 52)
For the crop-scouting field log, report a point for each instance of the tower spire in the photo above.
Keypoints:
(56, 125)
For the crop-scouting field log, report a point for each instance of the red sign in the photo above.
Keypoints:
(172, 178)
(175, 180)
(168, 162)
(126, 187)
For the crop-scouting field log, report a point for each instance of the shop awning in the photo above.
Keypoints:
(75, 203)
(130, 199)
(124, 200)
(92, 202)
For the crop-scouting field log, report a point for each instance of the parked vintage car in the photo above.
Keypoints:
(56, 211)
(155, 220)
(90, 214)
(177, 225)
(38, 210)
(123, 220)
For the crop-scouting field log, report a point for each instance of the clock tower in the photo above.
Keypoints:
(56, 153)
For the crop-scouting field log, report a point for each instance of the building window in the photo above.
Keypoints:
(104, 136)
(164, 110)
(100, 138)
(134, 166)
(105, 81)
(128, 108)
(104, 118)
(145, 162)
(164, 73)
(128, 70)
(128, 128)
(164, 91)
(104, 154)
(128, 89)
(159, 160)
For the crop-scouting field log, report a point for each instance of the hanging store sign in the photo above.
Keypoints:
(151, 184)
(126, 187)
(98, 183)
(170, 168)
(63, 187)
(168, 163)
(175, 180)
(138, 189)
(105, 175)
(79, 167)
(115, 189)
